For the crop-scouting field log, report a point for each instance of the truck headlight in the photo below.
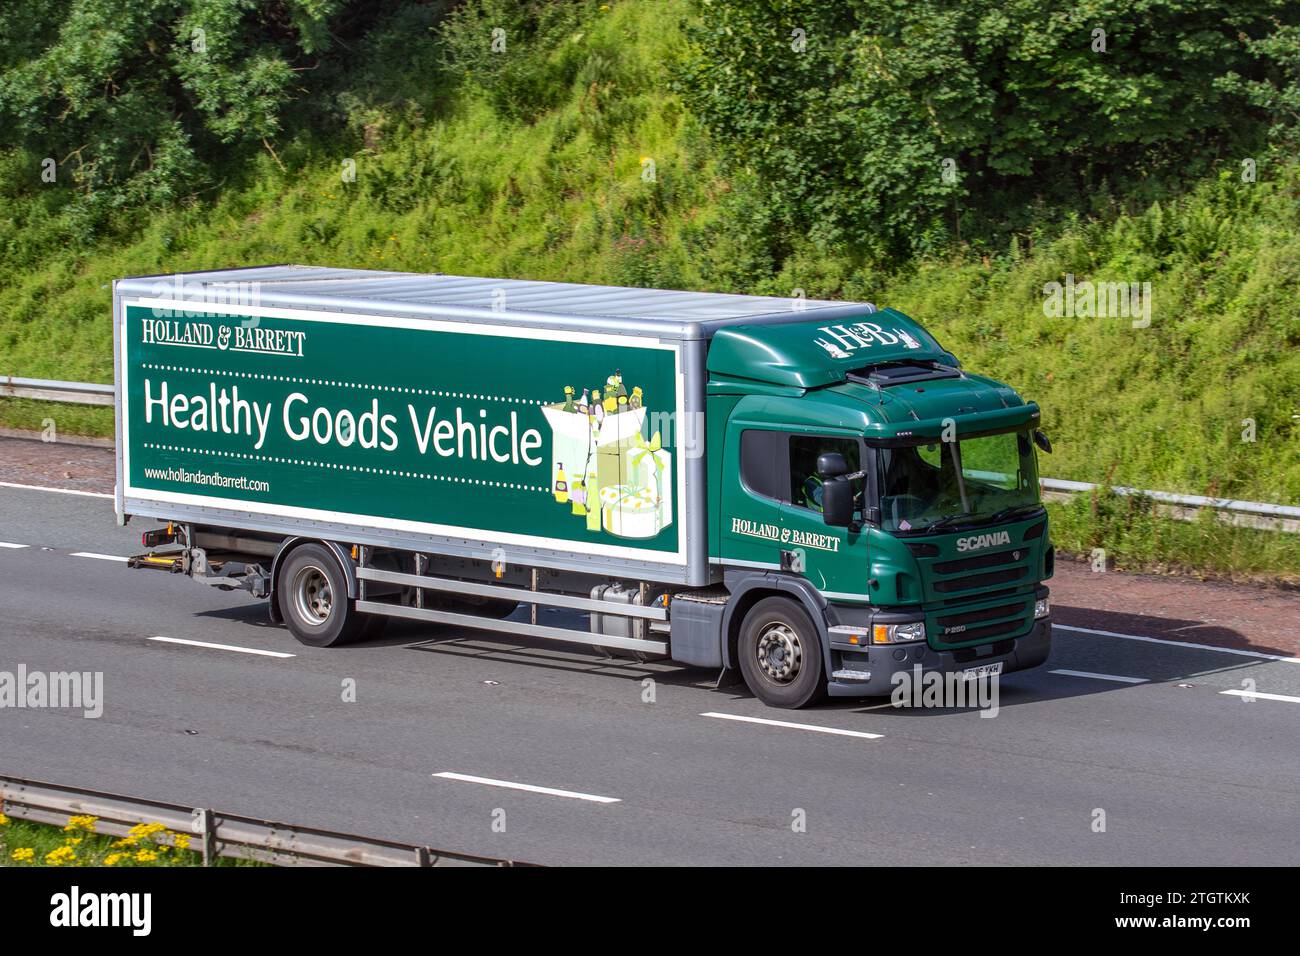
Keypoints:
(897, 633)
(1041, 609)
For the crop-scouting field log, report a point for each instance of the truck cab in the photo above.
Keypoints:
(875, 510)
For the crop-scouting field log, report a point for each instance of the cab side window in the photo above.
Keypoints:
(805, 483)
(763, 458)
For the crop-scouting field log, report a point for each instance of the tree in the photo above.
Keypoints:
(894, 125)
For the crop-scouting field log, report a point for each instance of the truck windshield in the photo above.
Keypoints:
(920, 488)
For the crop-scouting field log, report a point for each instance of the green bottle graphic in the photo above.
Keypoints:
(568, 399)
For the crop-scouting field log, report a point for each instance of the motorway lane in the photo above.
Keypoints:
(1185, 774)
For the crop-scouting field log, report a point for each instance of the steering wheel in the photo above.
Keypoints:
(906, 506)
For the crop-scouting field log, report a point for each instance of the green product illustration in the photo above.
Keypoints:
(604, 469)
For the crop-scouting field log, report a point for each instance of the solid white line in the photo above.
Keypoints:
(1249, 694)
(57, 491)
(786, 723)
(549, 791)
(222, 647)
(6, 544)
(100, 557)
(1114, 677)
(1195, 647)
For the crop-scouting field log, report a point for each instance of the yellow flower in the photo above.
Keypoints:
(182, 841)
(145, 856)
(112, 858)
(86, 823)
(73, 841)
(123, 843)
(142, 831)
(4, 820)
(63, 854)
(23, 854)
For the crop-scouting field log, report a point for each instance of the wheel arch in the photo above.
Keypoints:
(748, 588)
(289, 545)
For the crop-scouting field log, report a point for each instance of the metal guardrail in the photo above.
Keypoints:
(1274, 517)
(48, 390)
(219, 834)
(1254, 514)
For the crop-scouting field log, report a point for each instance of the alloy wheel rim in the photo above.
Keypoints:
(313, 597)
(779, 653)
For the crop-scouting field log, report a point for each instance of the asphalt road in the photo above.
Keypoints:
(1184, 772)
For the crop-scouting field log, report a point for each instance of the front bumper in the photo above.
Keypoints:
(883, 662)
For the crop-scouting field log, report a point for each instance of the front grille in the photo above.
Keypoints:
(964, 655)
(988, 596)
(979, 561)
(1005, 576)
(984, 614)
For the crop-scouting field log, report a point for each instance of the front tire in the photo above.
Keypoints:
(313, 598)
(781, 654)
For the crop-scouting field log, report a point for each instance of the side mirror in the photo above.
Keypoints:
(1040, 439)
(837, 501)
(831, 464)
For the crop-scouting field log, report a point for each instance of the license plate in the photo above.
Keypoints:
(984, 670)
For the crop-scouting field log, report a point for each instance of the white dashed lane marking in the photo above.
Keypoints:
(785, 723)
(11, 546)
(526, 787)
(1254, 694)
(98, 557)
(1113, 677)
(1195, 647)
(221, 647)
(56, 491)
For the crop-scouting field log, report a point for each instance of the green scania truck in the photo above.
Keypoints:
(814, 494)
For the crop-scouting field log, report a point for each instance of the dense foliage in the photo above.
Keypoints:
(891, 126)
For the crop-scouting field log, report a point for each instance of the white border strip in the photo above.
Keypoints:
(527, 787)
(785, 723)
(1196, 647)
(222, 647)
(647, 555)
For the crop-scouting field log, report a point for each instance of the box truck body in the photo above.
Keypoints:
(446, 448)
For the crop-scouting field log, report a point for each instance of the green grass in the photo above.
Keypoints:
(454, 186)
(1135, 536)
(23, 843)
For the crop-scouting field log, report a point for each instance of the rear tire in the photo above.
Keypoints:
(781, 654)
(313, 599)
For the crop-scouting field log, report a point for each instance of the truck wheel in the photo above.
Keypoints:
(781, 654)
(313, 596)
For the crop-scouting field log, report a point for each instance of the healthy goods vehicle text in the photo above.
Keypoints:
(814, 494)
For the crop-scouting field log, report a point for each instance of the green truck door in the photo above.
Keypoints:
(834, 560)
(771, 509)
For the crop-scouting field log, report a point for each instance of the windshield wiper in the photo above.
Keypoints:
(1008, 512)
(948, 519)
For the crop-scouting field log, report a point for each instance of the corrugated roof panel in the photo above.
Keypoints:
(664, 310)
